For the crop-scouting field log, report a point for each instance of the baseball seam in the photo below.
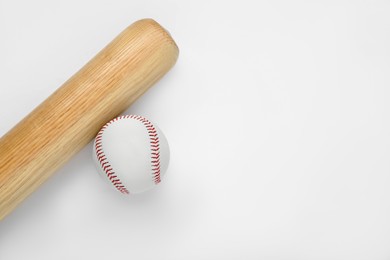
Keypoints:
(154, 152)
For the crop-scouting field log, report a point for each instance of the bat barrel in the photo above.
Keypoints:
(70, 118)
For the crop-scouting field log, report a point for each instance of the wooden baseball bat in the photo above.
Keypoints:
(70, 118)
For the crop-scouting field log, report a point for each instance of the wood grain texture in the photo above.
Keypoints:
(70, 118)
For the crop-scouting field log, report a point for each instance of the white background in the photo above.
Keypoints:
(277, 115)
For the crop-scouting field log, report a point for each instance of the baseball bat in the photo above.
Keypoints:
(70, 118)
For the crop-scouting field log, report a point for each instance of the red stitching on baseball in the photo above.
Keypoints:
(106, 167)
(154, 148)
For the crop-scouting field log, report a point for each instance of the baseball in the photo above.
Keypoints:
(131, 154)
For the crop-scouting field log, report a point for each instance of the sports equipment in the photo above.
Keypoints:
(131, 154)
(72, 116)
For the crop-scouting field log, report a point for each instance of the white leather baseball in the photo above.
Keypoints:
(131, 154)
